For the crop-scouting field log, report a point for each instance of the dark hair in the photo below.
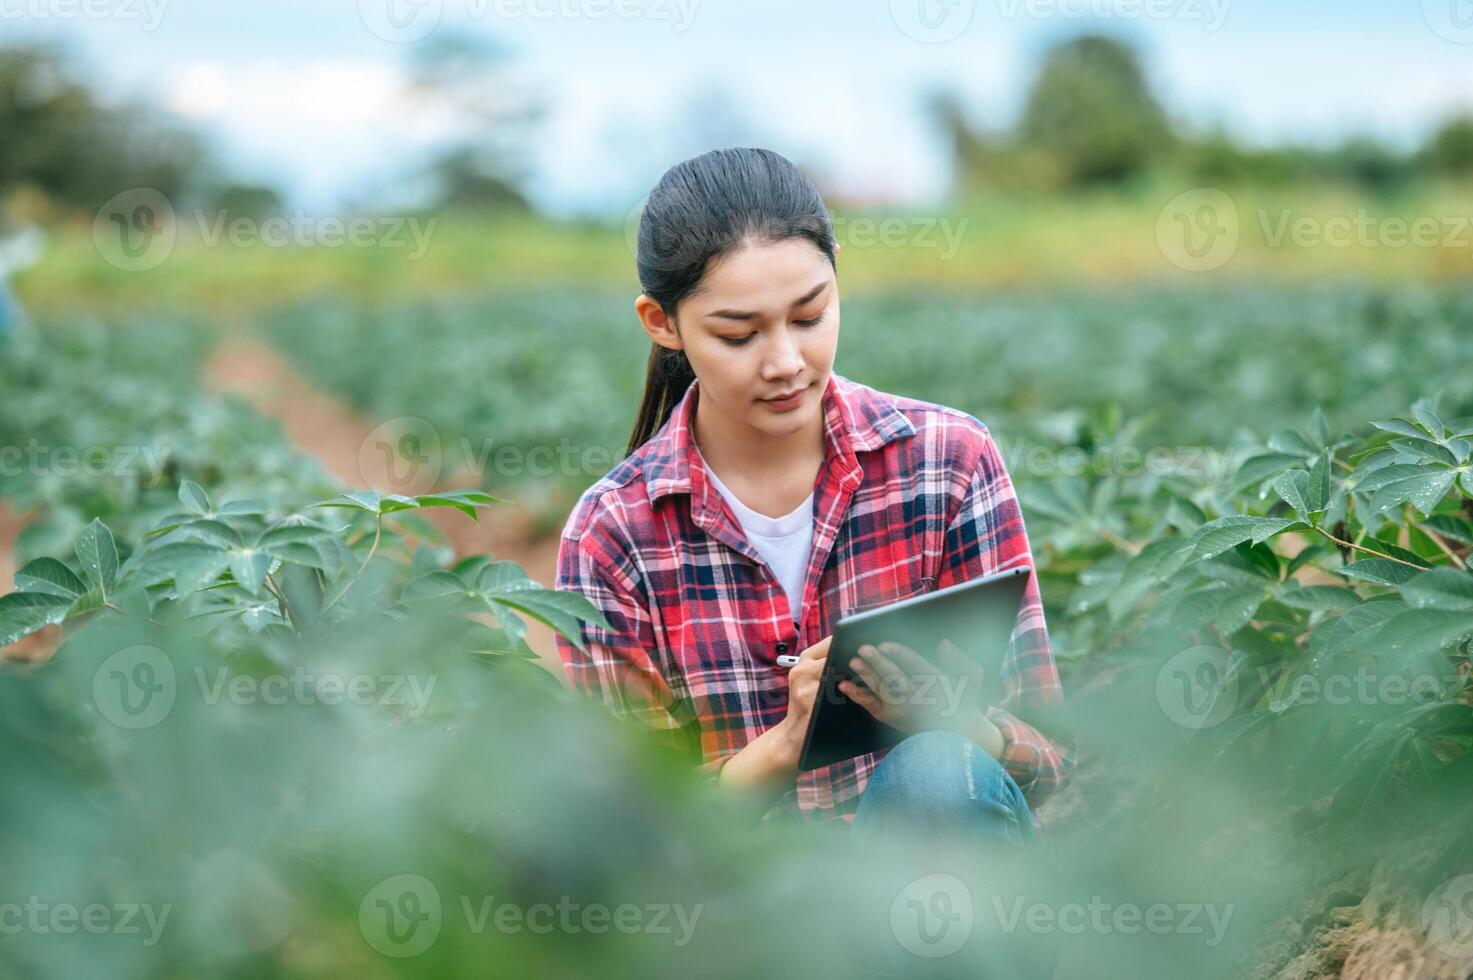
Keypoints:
(702, 210)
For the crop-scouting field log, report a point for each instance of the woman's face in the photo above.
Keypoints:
(765, 322)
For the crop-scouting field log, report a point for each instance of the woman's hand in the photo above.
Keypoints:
(803, 682)
(771, 759)
(910, 693)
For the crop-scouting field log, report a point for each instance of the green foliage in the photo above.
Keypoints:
(1350, 576)
(248, 570)
(105, 420)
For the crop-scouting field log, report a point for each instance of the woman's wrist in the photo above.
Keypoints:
(769, 757)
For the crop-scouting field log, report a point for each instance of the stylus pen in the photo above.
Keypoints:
(787, 660)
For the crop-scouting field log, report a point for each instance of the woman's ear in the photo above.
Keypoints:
(656, 323)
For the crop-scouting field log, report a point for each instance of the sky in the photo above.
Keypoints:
(309, 95)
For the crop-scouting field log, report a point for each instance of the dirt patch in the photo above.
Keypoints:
(348, 447)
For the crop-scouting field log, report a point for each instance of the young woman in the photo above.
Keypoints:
(764, 496)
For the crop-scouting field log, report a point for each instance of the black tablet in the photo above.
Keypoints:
(978, 615)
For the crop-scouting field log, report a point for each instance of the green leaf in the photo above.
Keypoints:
(1293, 488)
(193, 498)
(1400, 427)
(299, 554)
(1427, 450)
(1425, 491)
(503, 576)
(24, 613)
(97, 554)
(1423, 631)
(561, 611)
(1449, 526)
(249, 566)
(297, 533)
(214, 530)
(161, 563)
(1439, 588)
(302, 588)
(1319, 426)
(434, 585)
(1156, 561)
(1236, 608)
(241, 508)
(1354, 631)
(1214, 538)
(1427, 418)
(50, 576)
(1313, 597)
(1258, 470)
(1291, 443)
(465, 501)
(1370, 785)
(1382, 571)
(1317, 496)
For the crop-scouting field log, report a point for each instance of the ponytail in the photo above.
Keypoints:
(667, 378)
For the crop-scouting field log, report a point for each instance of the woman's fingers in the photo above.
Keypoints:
(907, 660)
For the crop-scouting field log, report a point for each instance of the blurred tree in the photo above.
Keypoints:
(1365, 160)
(62, 141)
(467, 79)
(1091, 107)
(1450, 150)
(246, 201)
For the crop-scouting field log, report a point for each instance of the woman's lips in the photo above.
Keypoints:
(788, 403)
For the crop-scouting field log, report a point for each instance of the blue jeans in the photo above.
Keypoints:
(941, 782)
(944, 797)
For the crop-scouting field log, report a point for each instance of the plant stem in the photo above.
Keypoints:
(1367, 551)
(1437, 540)
(281, 603)
(378, 529)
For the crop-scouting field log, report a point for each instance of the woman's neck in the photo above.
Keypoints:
(771, 475)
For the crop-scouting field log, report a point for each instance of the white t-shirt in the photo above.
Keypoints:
(784, 542)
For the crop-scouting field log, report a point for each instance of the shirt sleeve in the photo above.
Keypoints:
(986, 536)
(617, 666)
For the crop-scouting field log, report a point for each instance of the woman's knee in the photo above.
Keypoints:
(941, 767)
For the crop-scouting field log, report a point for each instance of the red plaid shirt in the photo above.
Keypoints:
(912, 497)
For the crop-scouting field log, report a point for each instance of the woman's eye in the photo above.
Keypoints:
(740, 341)
(730, 342)
(810, 323)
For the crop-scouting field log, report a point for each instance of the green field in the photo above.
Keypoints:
(1307, 522)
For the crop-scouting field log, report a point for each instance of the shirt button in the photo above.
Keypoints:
(782, 647)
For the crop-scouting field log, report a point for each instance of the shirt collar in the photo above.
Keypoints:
(857, 419)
